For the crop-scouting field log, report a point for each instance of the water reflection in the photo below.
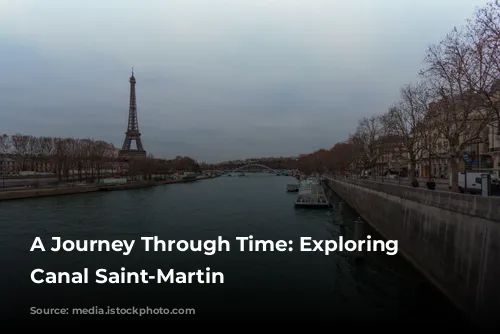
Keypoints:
(261, 283)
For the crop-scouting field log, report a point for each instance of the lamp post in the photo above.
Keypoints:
(466, 159)
(3, 172)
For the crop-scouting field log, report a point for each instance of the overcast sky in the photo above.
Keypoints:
(216, 79)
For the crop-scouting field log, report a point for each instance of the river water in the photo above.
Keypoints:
(258, 284)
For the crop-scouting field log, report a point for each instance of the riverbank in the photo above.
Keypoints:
(203, 210)
(149, 184)
(33, 193)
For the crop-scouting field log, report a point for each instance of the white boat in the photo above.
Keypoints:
(292, 187)
(311, 195)
(308, 183)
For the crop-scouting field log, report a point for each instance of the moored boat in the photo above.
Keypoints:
(292, 187)
(311, 195)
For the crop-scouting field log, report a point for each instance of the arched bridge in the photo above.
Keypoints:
(255, 165)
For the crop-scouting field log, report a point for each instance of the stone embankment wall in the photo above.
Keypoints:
(31, 193)
(453, 239)
(41, 192)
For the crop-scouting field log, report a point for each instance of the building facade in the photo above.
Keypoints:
(392, 158)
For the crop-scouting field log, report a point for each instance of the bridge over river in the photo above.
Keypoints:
(256, 168)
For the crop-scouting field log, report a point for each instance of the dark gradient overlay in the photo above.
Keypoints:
(258, 285)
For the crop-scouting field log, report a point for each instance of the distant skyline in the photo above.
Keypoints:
(216, 80)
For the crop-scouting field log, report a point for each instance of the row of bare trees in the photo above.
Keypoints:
(152, 168)
(179, 163)
(78, 159)
(62, 156)
(456, 101)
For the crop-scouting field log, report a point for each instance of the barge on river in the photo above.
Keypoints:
(311, 195)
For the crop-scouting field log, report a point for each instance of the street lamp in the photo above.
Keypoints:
(3, 172)
(466, 160)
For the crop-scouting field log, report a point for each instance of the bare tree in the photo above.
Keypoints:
(431, 141)
(149, 167)
(357, 148)
(110, 156)
(343, 155)
(486, 27)
(33, 151)
(458, 114)
(367, 136)
(63, 157)
(20, 149)
(101, 156)
(404, 122)
(483, 74)
(85, 163)
(46, 146)
(5, 144)
(489, 18)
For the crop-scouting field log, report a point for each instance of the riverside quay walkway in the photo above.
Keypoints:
(452, 238)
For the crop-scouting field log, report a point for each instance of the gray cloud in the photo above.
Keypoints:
(216, 79)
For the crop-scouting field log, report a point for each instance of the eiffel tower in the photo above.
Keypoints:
(132, 133)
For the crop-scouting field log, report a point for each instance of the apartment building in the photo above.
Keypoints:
(483, 154)
(13, 164)
(482, 151)
(392, 158)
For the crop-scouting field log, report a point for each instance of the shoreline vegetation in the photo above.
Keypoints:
(82, 189)
(444, 122)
